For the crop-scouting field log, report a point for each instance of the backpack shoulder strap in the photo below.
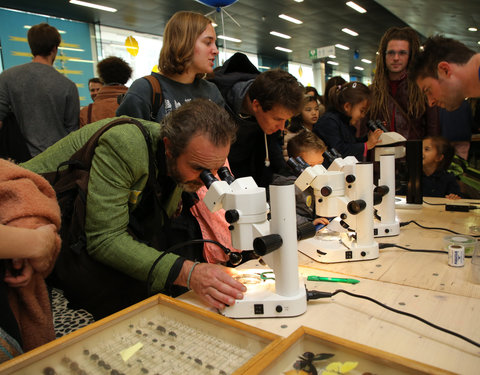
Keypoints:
(156, 95)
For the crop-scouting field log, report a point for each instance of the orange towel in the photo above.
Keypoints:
(27, 200)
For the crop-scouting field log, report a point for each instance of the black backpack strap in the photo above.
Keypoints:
(156, 95)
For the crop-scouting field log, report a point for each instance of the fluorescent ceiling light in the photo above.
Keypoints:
(290, 19)
(341, 46)
(263, 67)
(82, 61)
(348, 31)
(358, 68)
(298, 1)
(224, 37)
(280, 35)
(366, 61)
(283, 49)
(472, 29)
(332, 62)
(332, 56)
(357, 7)
(90, 5)
(214, 24)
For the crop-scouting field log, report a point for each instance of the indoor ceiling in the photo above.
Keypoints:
(322, 23)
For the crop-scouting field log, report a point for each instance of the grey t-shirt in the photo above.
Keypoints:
(138, 100)
(45, 103)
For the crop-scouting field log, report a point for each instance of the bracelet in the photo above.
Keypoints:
(190, 274)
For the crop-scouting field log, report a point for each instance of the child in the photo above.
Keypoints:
(437, 156)
(349, 104)
(310, 148)
(304, 120)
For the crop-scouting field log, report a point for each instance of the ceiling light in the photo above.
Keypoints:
(283, 49)
(214, 24)
(358, 68)
(280, 35)
(332, 63)
(263, 67)
(472, 29)
(71, 49)
(298, 1)
(366, 61)
(348, 31)
(332, 56)
(290, 19)
(341, 46)
(90, 5)
(357, 7)
(224, 37)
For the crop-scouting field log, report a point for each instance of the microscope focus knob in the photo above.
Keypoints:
(350, 178)
(232, 216)
(326, 191)
(356, 206)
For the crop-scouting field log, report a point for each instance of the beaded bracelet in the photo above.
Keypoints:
(190, 274)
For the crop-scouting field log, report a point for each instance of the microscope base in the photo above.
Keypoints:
(386, 229)
(261, 301)
(336, 252)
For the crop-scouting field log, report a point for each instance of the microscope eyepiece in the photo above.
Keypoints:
(297, 168)
(225, 175)
(207, 178)
(376, 124)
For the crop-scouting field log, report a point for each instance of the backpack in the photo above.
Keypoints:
(75, 271)
(156, 96)
(12, 142)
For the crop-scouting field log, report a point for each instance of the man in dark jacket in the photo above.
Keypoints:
(260, 105)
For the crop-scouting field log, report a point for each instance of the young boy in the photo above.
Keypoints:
(310, 148)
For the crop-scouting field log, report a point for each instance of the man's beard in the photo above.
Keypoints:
(188, 186)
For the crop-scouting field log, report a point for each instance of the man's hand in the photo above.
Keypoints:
(212, 283)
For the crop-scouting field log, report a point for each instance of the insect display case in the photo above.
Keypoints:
(310, 352)
(160, 335)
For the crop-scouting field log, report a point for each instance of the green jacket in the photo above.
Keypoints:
(118, 176)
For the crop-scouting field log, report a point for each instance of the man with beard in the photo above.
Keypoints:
(396, 99)
(195, 137)
(447, 72)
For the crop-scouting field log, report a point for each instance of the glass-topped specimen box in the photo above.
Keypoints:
(160, 335)
(310, 352)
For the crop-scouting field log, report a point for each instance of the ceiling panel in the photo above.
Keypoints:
(322, 22)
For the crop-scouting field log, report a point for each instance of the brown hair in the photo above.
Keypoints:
(42, 39)
(114, 70)
(351, 92)
(334, 81)
(199, 116)
(304, 141)
(435, 50)
(277, 87)
(380, 86)
(443, 147)
(179, 37)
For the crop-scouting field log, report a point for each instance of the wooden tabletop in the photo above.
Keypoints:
(422, 284)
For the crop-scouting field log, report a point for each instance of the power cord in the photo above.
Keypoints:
(314, 294)
(455, 207)
(434, 228)
(175, 247)
(387, 245)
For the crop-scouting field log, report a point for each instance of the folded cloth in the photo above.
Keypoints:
(27, 200)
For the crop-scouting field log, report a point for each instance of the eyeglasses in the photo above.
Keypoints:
(392, 53)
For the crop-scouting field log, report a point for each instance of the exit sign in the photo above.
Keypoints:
(318, 53)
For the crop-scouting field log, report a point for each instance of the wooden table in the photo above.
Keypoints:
(419, 283)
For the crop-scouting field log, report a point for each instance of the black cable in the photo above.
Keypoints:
(434, 228)
(175, 247)
(387, 245)
(314, 295)
(435, 204)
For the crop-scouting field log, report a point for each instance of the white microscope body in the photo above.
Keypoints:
(390, 148)
(275, 240)
(353, 208)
